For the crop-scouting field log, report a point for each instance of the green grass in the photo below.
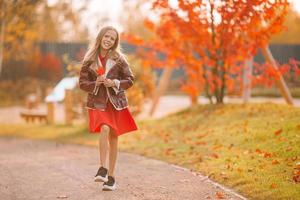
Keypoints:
(235, 145)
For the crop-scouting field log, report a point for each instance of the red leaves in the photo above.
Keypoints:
(214, 155)
(149, 24)
(100, 71)
(264, 153)
(50, 66)
(275, 162)
(278, 132)
(296, 174)
(273, 186)
(168, 151)
(267, 155)
(187, 31)
(258, 151)
(220, 195)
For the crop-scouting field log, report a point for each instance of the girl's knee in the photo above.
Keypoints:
(105, 129)
(113, 135)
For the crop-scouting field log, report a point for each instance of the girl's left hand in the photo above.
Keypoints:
(109, 83)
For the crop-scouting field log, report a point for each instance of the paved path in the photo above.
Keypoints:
(37, 170)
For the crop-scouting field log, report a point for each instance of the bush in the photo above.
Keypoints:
(144, 85)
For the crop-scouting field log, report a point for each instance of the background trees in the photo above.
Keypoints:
(212, 40)
(25, 23)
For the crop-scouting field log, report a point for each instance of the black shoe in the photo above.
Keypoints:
(110, 185)
(102, 175)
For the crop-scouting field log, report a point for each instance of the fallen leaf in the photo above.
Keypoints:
(246, 152)
(258, 151)
(294, 158)
(215, 147)
(220, 195)
(267, 155)
(231, 145)
(289, 149)
(62, 197)
(273, 185)
(202, 136)
(214, 155)
(200, 143)
(274, 162)
(184, 180)
(168, 151)
(278, 132)
(296, 175)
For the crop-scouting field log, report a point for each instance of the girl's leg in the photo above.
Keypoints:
(113, 151)
(103, 144)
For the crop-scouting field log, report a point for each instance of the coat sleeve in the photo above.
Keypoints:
(127, 77)
(85, 83)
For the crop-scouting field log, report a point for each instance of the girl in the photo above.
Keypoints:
(105, 75)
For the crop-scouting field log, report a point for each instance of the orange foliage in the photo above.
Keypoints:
(50, 66)
(211, 40)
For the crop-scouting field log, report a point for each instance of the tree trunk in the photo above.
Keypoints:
(163, 84)
(2, 28)
(280, 82)
(247, 73)
(206, 87)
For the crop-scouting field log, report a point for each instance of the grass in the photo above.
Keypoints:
(274, 92)
(256, 92)
(251, 148)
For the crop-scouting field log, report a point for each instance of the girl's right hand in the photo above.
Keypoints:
(99, 80)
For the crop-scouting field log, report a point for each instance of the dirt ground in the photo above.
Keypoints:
(34, 169)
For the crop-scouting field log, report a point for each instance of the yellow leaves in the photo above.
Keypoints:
(200, 143)
(215, 147)
(239, 170)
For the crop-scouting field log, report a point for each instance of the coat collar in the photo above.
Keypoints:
(110, 63)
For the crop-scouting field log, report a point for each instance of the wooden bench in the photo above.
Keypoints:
(31, 116)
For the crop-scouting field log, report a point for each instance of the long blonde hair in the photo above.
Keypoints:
(95, 47)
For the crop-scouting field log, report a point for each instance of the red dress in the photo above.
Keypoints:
(120, 121)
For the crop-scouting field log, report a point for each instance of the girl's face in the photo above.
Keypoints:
(108, 39)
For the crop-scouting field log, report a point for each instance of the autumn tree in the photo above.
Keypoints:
(211, 39)
(132, 19)
(17, 28)
(24, 23)
(291, 32)
(60, 22)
